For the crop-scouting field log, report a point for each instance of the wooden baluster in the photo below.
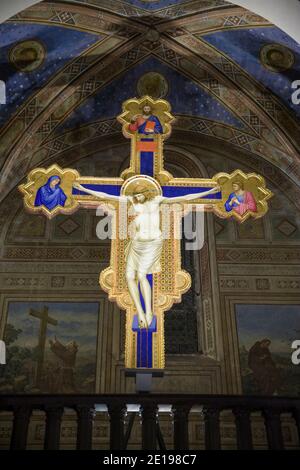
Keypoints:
(116, 415)
(160, 438)
(20, 427)
(243, 428)
(53, 422)
(149, 435)
(129, 429)
(212, 428)
(273, 429)
(86, 415)
(181, 425)
(296, 415)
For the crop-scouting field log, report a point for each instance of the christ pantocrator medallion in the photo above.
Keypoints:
(145, 276)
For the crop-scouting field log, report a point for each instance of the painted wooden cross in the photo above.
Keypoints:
(145, 276)
(44, 318)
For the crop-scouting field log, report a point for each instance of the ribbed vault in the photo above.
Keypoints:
(122, 37)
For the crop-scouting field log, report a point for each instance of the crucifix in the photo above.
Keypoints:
(147, 204)
(44, 318)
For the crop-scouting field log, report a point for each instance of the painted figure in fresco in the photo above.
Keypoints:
(240, 201)
(265, 372)
(146, 123)
(144, 249)
(51, 194)
(67, 355)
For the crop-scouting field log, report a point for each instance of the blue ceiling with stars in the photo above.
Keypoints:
(192, 100)
(62, 45)
(244, 46)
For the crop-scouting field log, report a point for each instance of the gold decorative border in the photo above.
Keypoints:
(169, 286)
(254, 183)
(162, 109)
(38, 178)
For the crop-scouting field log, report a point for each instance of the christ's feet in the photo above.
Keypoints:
(142, 320)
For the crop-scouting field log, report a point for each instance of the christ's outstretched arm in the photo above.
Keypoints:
(190, 197)
(99, 194)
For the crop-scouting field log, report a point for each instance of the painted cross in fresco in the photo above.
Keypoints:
(45, 320)
(145, 276)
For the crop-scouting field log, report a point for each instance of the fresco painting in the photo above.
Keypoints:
(51, 347)
(265, 335)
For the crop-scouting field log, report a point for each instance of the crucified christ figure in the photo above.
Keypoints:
(144, 250)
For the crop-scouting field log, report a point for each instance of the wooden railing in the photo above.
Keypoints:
(211, 406)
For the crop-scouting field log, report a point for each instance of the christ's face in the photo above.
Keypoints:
(139, 198)
(54, 183)
(147, 110)
(265, 344)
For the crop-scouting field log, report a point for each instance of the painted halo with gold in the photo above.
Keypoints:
(140, 184)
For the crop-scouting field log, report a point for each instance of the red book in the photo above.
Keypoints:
(150, 126)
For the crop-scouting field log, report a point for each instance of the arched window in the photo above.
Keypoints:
(181, 332)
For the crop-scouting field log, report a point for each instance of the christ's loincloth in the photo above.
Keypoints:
(144, 256)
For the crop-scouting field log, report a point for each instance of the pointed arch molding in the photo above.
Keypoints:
(273, 132)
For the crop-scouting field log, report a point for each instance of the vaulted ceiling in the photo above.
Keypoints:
(68, 66)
